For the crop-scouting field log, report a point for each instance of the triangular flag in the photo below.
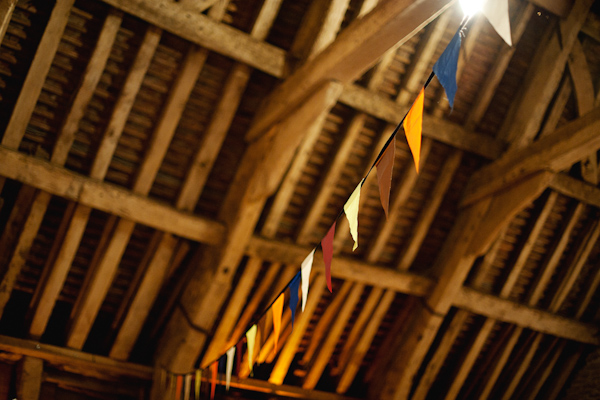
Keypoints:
(229, 368)
(413, 126)
(351, 211)
(251, 339)
(385, 166)
(178, 387)
(305, 269)
(198, 382)
(446, 65)
(496, 11)
(294, 286)
(277, 308)
(187, 387)
(327, 246)
(213, 383)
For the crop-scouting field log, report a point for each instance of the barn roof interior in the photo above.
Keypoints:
(166, 166)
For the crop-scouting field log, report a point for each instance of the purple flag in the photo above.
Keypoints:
(446, 65)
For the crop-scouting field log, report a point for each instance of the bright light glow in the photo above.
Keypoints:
(471, 7)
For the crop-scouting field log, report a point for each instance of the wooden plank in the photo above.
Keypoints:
(525, 316)
(237, 300)
(522, 367)
(208, 33)
(435, 128)
(84, 317)
(547, 369)
(91, 77)
(83, 363)
(14, 224)
(32, 87)
(257, 178)
(555, 152)
(432, 204)
(559, 381)
(303, 320)
(589, 294)
(353, 52)
(364, 342)
(6, 10)
(144, 299)
(576, 189)
(333, 335)
(330, 178)
(29, 378)
(558, 107)
(107, 197)
(19, 257)
(591, 26)
(124, 103)
(543, 78)
(501, 362)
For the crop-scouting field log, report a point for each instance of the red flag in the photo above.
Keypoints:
(385, 166)
(277, 308)
(413, 125)
(327, 246)
(213, 383)
(178, 387)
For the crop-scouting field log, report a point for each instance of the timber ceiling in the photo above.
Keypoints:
(165, 167)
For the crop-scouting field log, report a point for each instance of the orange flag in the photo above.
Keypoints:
(178, 387)
(213, 383)
(277, 308)
(413, 125)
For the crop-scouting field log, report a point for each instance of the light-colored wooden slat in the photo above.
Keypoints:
(555, 152)
(482, 336)
(85, 315)
(567, 368)
(589, 294)
(545, 74)
(444, 131)
(501, 362)
(364, 319)
(29, 378)
(522, 367)
(547, 369)
(236, 303)
(410, 249)
(85, 364)
(107, 197)
(91, 77)
(364, 342)
(26, 238)
(584, 94)
(323, 326)
(583, 251)
(414, 77)
(222, 38)
(492, 80)
(14, 224)
(36, 75)
(302, 321)
(6, 10)
(353, 52)
(558, 107)
(143, 299)
(328, 184)
(257, 178)
(576, 189)
(399, 198)
(333, 335)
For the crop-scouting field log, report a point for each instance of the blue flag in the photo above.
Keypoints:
(445, 67)
(294, 286)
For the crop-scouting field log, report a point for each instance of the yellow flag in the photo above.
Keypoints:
(251, 338)
(351, 211)
(413, 126)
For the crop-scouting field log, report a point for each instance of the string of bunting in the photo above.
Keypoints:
(496, 11)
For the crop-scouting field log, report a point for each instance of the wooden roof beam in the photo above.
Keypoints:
(107, 197)
(357, 48)
(186, 22)
(555, 152)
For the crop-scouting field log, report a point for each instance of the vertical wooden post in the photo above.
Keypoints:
(29, 378)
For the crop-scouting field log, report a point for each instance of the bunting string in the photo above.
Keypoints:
(445, 69)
